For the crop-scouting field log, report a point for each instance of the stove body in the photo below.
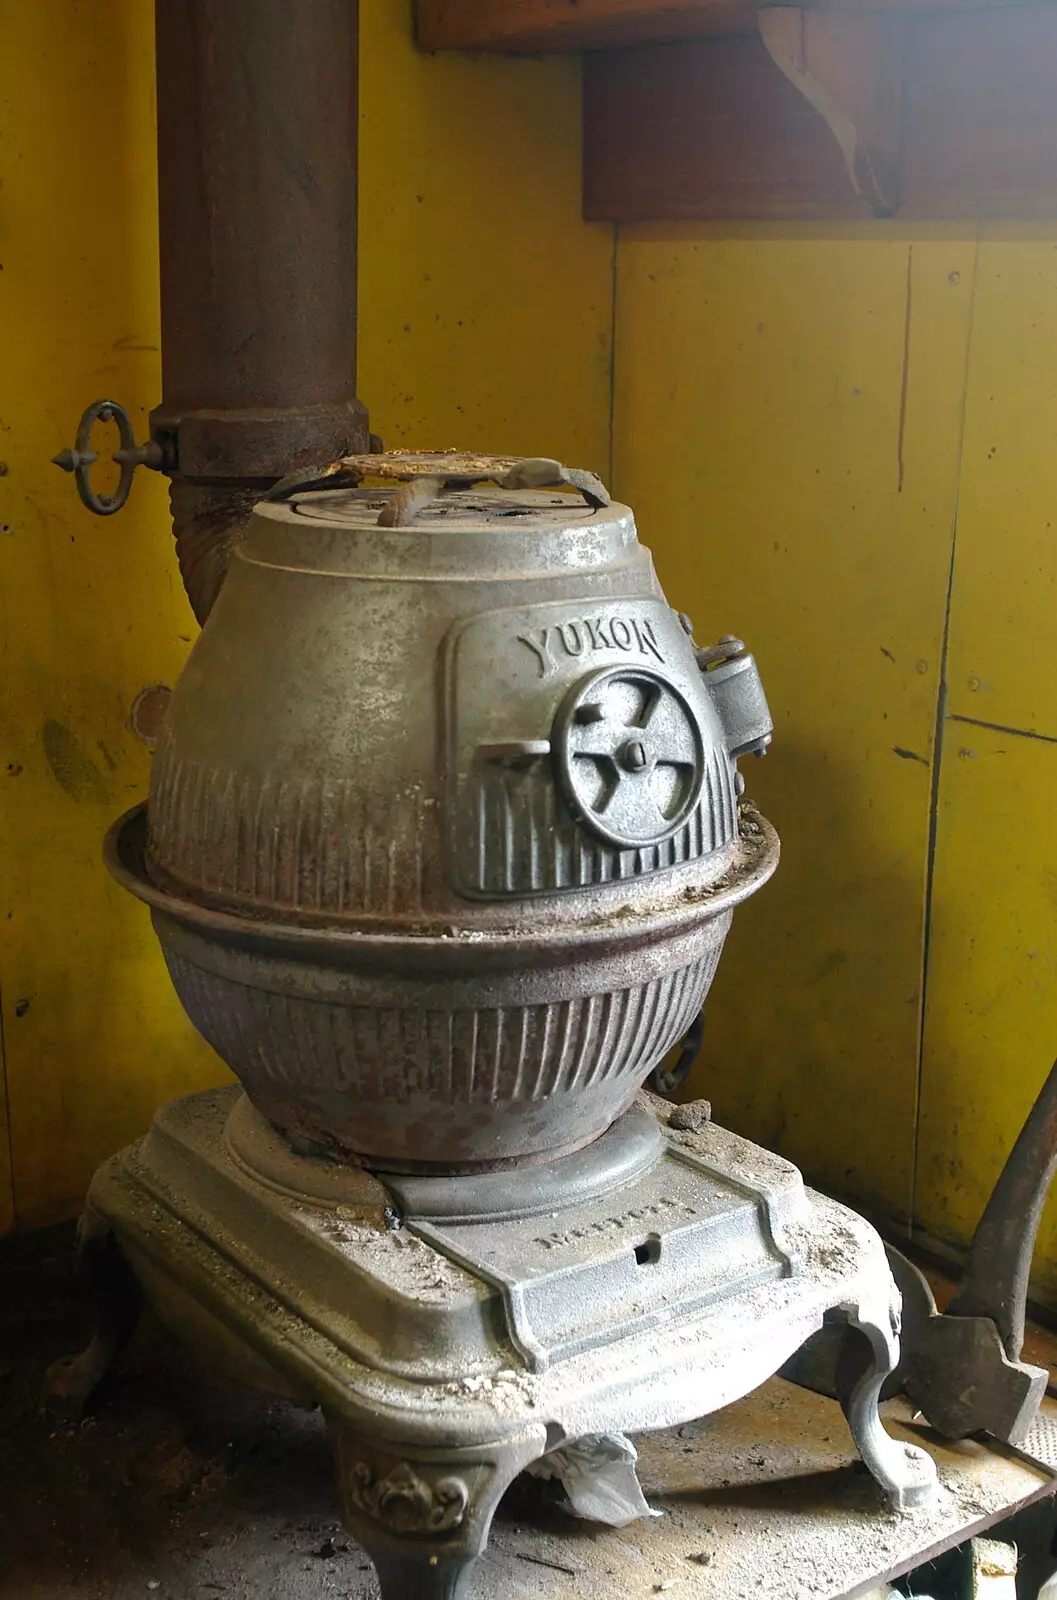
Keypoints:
(443, 842)
(443, 839)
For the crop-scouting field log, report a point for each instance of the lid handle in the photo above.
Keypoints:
(423, 478)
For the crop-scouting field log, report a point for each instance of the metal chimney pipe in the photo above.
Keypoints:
(257, 136)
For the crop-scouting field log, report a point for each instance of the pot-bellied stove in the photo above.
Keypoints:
(443, 841)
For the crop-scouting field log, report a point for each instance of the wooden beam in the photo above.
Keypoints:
(527, 26)
(829, 115)
(709, 130)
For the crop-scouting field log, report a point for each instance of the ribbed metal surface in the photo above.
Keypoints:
(527, 841)
(501, 1054)
(315, 845)
(289, 843)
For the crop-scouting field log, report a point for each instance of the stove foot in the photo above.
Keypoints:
(906, 1473)
(424, 1517)
(115, 1300)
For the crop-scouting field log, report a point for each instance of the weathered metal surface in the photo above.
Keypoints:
(995, 1281)
(737, 692)
(432, 1402)
(215, 1488)
(1039, 1442)
(686, 1232)
(956, 1371)
(257, 141)
(954, 1368)
(962, 1366)
(395, 466)
(147, 712)
(209, 519)
(627, 1151)
(427, 473)
(224, 1492)
(440, 1052)
(443, 834)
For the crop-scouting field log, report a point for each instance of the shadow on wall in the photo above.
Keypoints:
(804, 1051)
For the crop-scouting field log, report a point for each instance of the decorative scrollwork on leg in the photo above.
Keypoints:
(906, 1473)
(424, 1518)
(406, 1502)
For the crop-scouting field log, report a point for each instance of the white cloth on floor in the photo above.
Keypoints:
(598, 1474)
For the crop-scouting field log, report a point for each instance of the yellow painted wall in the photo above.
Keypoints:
(485, 307)
(991, 1027)
(486, 304)
(840, 443)
(90, 610)
(786, 504)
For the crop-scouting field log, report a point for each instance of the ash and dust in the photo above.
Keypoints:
(179, 1485)
(406, 1262)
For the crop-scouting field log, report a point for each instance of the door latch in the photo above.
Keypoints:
(81, 457)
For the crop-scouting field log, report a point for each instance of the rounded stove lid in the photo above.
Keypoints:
(432, 516)
(473, 510)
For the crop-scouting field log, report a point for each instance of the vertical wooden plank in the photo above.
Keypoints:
(90, 610)
(1003, 648)
(787, 425)
(485, 301)
(991, 1025)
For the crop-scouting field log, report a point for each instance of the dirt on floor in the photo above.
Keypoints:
(175, 1485)
(178, 1485)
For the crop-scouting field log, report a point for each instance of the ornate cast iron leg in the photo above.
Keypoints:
(115, 1299)
(906, 1473)
(424, 1517)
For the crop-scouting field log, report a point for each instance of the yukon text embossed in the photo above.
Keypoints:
(582, 635)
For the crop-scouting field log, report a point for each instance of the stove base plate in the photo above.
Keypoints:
(449, 1351)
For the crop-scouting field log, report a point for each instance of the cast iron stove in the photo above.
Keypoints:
(443, 842)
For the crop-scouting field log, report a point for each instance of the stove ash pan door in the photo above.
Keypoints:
(583, 749)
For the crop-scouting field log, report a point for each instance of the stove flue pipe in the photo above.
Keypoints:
(257, 113)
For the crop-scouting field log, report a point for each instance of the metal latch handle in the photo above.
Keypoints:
(80, 458)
